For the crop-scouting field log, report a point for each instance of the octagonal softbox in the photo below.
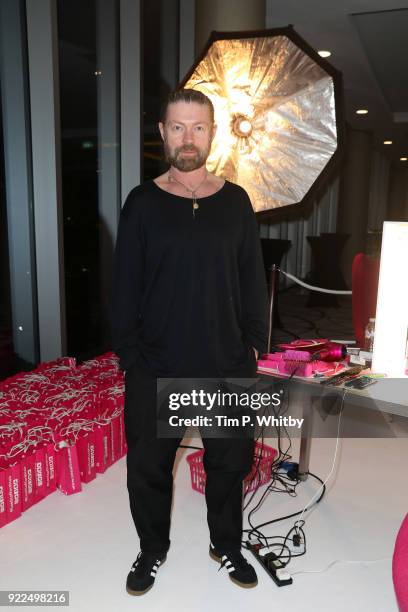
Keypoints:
(278, 112)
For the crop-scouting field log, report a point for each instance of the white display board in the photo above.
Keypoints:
(391, 321)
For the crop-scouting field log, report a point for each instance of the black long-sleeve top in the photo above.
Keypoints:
(189, 295)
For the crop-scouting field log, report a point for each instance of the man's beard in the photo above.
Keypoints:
(186, 164)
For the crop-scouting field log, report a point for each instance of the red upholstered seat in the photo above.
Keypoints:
(365, 272)
(400, 566)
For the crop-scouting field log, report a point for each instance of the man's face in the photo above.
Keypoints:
(187, 135)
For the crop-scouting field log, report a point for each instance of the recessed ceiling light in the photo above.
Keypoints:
(387, 142)
(323, 53)
(361, 111)
(403, 158)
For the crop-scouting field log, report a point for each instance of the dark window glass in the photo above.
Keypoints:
(160, 19)
(6, 336)
(78, 65)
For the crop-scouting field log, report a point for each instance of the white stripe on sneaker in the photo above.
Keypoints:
(155, 568)
(227, 564)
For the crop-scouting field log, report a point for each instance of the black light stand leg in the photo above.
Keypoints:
(305, 439)
(274, 285)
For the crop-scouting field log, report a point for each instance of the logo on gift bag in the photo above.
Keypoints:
(29, 480)
(51, 466)
(105, 448)
(91, 456)
(16, 491)
(10, 494)
(38, 469)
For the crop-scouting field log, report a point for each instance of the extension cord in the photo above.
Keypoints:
(273, 566)
(265, 550)
(297, 549)
(253, 541)
(291, 468)
(296, 545)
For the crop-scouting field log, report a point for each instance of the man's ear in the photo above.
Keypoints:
(214, 131)
(161, 128)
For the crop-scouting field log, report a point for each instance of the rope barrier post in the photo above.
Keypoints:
(274, 285)
(305, 439)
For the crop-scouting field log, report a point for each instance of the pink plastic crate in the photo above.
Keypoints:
(259, 475)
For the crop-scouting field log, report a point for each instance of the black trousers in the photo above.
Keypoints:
(150, 480)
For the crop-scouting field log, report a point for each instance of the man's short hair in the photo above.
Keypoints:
(186, 95)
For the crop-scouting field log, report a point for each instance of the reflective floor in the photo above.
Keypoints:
(302, 321)
(86, 543)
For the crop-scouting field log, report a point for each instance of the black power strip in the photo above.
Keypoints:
(271, 564)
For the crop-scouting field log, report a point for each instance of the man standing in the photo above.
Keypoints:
(189, 300)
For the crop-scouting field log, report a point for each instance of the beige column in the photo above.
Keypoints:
(227, 16)
(354, 195)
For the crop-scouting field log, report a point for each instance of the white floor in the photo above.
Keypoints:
(86, 543)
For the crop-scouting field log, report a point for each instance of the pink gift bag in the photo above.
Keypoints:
(40, 474)
(115, 439)
(3, 497)
(28, 481)
(68, 476)
(10, 494)
(86, 456)
(122, 436)
(50, 468)
(102, 448)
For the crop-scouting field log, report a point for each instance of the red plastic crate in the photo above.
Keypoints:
(259, 475)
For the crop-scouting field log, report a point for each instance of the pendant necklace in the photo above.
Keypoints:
(193, 192)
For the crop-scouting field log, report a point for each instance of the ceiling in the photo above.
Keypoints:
(368, 40)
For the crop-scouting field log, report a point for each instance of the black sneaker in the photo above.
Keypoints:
(239, 570)
(143, 572)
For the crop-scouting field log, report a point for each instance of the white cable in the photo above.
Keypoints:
(333, 464)
(339, 561)
(312, 287)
